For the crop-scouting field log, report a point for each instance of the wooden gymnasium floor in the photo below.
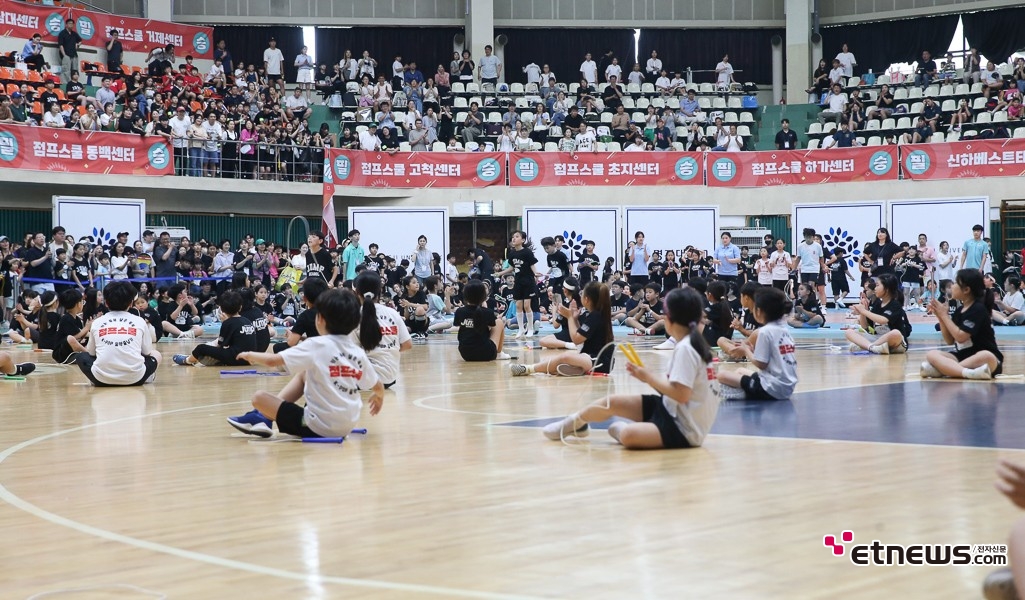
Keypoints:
(148, 493)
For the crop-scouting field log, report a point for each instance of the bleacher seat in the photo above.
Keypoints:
(829, 127)
(734, 103)
(1000, 116)
(953, 136)
(979, 103)
(658, 103)
(628, 103)
(606, 117)
(933, 91)
(477, 99)
(744, 131)
(531, 88)
(874, 140)
(673, 102)
(900, 94)
(637, 117)
(521, 102)
(915, 93)
(937, 138)
(438, 146)
(574, 87)
(602, 147)
(984, 117)
(706, 88)
(946, 90)
(613, 147)
(647, 88)
(718, 103)
(460, 102)
(904, 123)
(704, 103)
(976, 88)
(472, 88)
(678, 146)
(642, 103)
(516, 88)
(813, 143)
(746, 117)
(458, 87)
(916, 108)
(962, 89)
(1019, 133)
(1005, 69)
(854, 81)
(710, 131)
(814, 128)
(949, 106)
(681, 131)
(460, 118)
(633, 88)
(731, 118)
(872, 125)
(889, 124)
(494, 117)
(405, 147)
(883, 79)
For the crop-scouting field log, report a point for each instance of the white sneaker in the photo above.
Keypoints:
(517, 335)
(530, 333)
(879, 349)
(669, 344)
(564, 429)
(571, 346)
(502, 356)
(927, 370)
(187, 335)
(854, 348)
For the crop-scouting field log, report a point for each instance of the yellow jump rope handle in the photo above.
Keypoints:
(631, 354)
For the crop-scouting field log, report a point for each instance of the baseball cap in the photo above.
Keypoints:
(15, 95)
(3, 237)
(260, 241)
(371, 124)
(181, 109)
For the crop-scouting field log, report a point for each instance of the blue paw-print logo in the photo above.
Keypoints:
(724, 169)
(526, 169)
(8, 146)
(342, 168)
(488, 170)
(200, 43)
(575, 243)
(86, 27)
(838, 237)
(55, 23)
(159, 156)
(687, 168)
(880, 163)
(100, 237)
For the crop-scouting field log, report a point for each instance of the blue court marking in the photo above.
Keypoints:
(938, 413)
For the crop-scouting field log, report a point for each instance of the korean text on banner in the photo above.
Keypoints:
(46, 149)
(418, 169)
(794, 167)
(956, 160)
(553, 169)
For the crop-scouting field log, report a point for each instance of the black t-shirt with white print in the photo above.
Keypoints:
(319, 264)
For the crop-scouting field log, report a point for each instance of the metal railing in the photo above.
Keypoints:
(268, 162)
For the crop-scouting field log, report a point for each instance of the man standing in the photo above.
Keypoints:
(654, 66)
(114, 52)
(785, 138)
(272, 60)
(39, 264)
(589, 70)
(490, 67)
(975, 250)
(352, 256)
(221, 53)
(60, 240)
(164, 257)
(809, 253)
(180, 125)
(68, 43)
(726, 258)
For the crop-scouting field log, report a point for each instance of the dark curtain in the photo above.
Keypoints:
(750, 51)
(878, 45)
(427, 46)
(246, 44)
(563, 50)
(997, 33)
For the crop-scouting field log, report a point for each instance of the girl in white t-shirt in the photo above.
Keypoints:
(330, 370)
(382, 332)
(773, 354)
(781, 264)
(682, 411)
(763, 267)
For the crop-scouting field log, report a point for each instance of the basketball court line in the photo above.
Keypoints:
(310, 579)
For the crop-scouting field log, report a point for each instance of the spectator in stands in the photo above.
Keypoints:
(883, 105)
(573, 120)
(6, 116)
(724, 73)
(586, 140)
(734, 142)
(854, 117)
(932, 114)
(926, 70)
(1014, 110)
(367, 65)
(614, 70)
(842, 138)
(620, 125)
(541, 124)
(992, 81)
(720, 136)
(382, 92)
(637, 144)
(473, 124)
(68, 43)
(547, 75)
(466, 67)
(443, 82)
(836, 104)
(589, 70)
(273, 60)
(304, 76)
(922, 133)
(215, 135)
(786, 138)
(819, 80)
(19, 111)
(32, 53)
(695, 136)
(506, 141)
(533, 73)
(197, 142)
(678, 85)
(115, 51)
(53, 117)
(663, 83)
(847, 61)
(663, 136)
(948, 69)
(446, 124)
(972, 66)
(418, 136)
(613, 94)
(690, 111)
(180, 125)
(961, 116)
(74, 91)
(511, 117)
(297, 105)
(160, 60)
(836, 74)
(221, 53)
(654, 65)
(636, 76)
(389, 142)
(490, 67)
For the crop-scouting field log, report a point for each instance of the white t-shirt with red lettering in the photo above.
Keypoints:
(775, 349)
(336, 370)
(120, 341)
(394, 333)
(696, 416)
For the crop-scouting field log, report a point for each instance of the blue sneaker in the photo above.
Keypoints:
(253, 423)
(180, 359)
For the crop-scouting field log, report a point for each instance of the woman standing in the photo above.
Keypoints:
(423, 260)
(944, 270)
(883, 252)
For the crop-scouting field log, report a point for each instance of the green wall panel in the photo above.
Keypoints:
(16, 222)
(214, 228)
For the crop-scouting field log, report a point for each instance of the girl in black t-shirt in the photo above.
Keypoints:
(257, 317)
(670, 273)
(237, 335)
(71, 328)
(522, 264)
(969, 329)
(718, 315)
(745, 324)
(562, 339)
(481, 334)
(884, 318)
(807, 310)
(591, 330)
(412, 304)
(81, 272)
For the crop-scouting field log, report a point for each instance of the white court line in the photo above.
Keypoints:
(310, 579)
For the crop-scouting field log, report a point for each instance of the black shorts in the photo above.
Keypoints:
(274, 78)
(562, 333)
(85, 364)
(840, 285)
(484, 352)
(523, 290)
(753, 390)
(963, 354)
(641, 279)
(810, 277)
(780, 284)
(292, 420)
(654, 411)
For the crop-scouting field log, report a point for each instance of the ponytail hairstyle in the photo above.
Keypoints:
(367, 286)
(529, 245)
(773, 303)
(685, 306)
(571, 285)
(971, 279)
(248, 298)
(600, 299)
(717, 290)
(892, 286)
(475, 295)
(46, 300)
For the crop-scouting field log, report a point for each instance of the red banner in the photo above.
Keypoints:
(956, 160)
(418, 169)
(554, 169)
(21, 20)
(792, 167)
(48, 149)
